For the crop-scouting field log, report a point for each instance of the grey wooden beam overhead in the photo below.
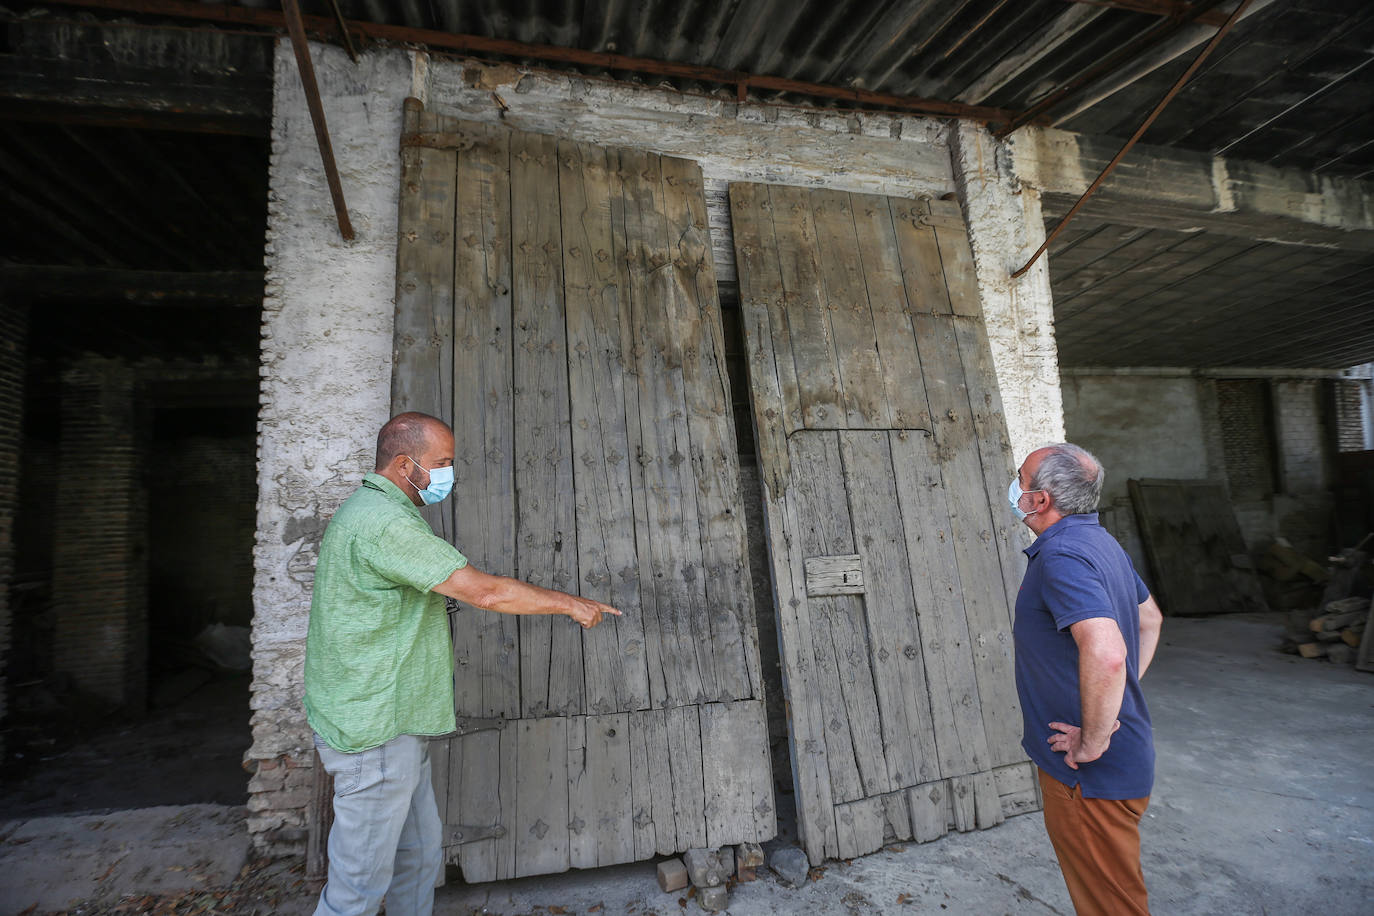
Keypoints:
(1175, 189)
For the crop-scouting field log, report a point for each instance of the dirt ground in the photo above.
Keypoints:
(62, 759)
(1261, 806)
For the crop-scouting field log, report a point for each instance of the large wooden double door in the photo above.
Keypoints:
(895, 563)
(556, 303)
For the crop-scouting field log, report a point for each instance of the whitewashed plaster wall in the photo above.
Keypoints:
(327, 328)
(326, 374)
(1142, 426)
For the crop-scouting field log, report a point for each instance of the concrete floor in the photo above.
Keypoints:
(1263, 803)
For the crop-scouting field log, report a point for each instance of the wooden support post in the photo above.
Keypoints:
(319, 817)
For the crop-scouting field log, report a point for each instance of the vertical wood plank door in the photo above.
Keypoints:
(885, 460)
(556, 302)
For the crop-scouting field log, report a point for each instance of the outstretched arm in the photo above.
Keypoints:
(1101, 686)
(511, 596)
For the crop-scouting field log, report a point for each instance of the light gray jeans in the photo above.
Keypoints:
(386, 837)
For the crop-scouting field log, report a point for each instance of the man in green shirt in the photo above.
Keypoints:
(379, 667)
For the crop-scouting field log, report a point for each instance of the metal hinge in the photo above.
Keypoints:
(451, 140)
(458, 834)
(469, 724)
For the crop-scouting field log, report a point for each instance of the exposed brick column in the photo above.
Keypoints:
(100, 555)
(14, 328)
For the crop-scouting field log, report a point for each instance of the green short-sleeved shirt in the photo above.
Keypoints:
(378, 661)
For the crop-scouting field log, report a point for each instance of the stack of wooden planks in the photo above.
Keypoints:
(1339, 627)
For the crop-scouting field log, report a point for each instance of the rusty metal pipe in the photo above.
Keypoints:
(1140, 131)
(299, 44)
(343, 31)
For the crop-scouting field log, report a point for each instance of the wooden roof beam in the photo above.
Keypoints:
(1173, 9)
(197, 289)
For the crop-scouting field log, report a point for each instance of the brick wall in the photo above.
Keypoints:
(13, 357)
(1349, 416)
(1247, 437)
(202, 519)
(99, 554)
(1304, 442)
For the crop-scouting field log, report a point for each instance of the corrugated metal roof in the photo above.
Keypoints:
(1290, 85)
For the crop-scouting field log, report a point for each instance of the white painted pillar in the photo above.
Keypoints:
(1005, 228)
(326, 383)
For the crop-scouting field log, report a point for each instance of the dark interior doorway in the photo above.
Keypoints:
(133, 316)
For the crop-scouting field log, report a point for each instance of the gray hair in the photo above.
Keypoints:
(1072, 476)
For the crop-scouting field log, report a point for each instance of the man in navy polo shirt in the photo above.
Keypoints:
(1086, 629)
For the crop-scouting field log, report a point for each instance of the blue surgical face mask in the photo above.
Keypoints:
(440, 484)
(1014, 494)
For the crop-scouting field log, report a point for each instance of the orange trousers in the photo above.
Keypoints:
(1097, 841)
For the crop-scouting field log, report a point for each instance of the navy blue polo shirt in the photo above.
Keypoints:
(1078, 571)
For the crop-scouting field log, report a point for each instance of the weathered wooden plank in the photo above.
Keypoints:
(985, 400)
(838, 632)
(714, 453)
(551, 677)
(957, 723)
(812, 340)
(581, 797)
(962, 802)
(659, 640)
(611, 803)
(1191, 538)
(481, 769)
(841, 575)
(486, 661)
(772, 373)
(860, 824)
(1018, 788)
(987, 801)
(923, 273)
(651, 776)
(951, 237)
(735, 764)
(897, 815)
(846, 299)
(674, 532)
(1364, 659)
(930, 810)
(540, 824)
(616, 668)
(895, 656)
(801, 676)
(971, 527)
(423, 349)
(683, 724)
(901, 378)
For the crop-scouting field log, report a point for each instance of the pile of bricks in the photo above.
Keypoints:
(710, 874)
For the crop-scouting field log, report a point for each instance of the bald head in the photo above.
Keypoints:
(407, 434)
